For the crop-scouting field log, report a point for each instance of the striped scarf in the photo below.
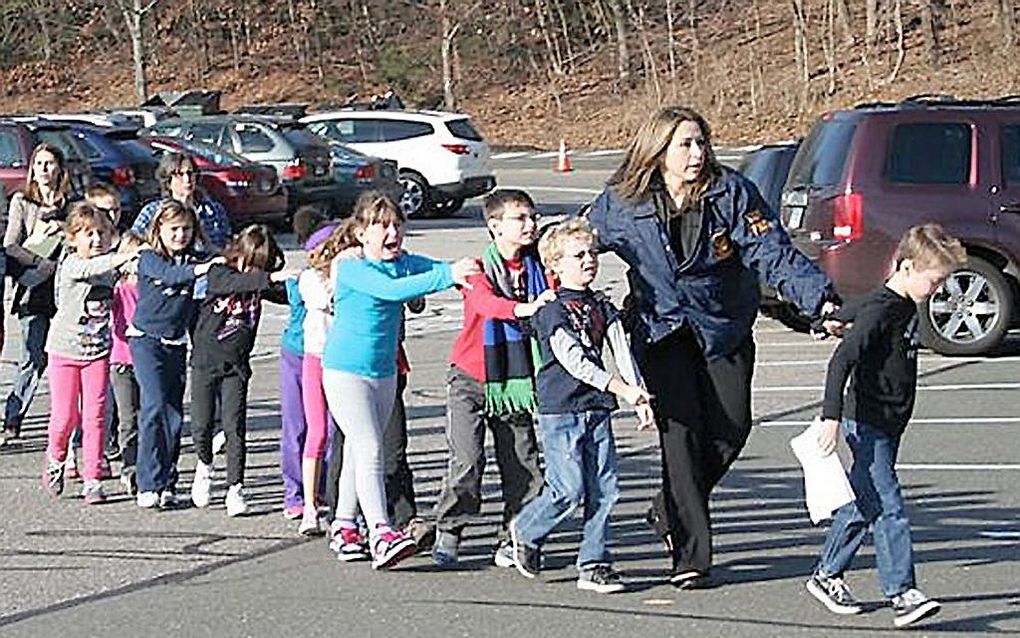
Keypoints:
(511, 355)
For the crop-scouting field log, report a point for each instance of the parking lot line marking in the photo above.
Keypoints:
(508, 155)
(958, 467)
(977, 420)
(614, 151)
(559, 189)
(548, 155)
(923, 358)
(929, 388)
(1000, 535)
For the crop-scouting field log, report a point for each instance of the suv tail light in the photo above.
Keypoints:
(365, 173)
(848, 216)
(457, 149)
(123, 176)
(295, 170)
(238, 178)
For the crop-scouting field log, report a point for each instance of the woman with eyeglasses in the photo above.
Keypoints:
(697, 238)
(32, 244)
(178, 178)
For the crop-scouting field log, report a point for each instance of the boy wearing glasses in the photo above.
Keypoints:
(490, 384)
(576, 395)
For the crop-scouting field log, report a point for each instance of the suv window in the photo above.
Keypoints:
(393, 130)
(209, 133)
(823, 154)
(929, 153)
(253, 139)
(61, 140)
(353, 131)
(1010, 142)
(464, 130)
(10, 150)
(92, 153)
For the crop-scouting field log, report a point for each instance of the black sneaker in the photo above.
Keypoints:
(912, 606)
(833, 592)
(602, 579)
(527, 559)
(689, 579)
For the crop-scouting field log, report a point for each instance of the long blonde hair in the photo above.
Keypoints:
(642, 167)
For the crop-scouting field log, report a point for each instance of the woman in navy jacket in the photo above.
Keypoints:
(697, 238)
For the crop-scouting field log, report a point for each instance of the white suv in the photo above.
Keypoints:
(442, 159)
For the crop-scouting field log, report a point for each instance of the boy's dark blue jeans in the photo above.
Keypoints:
(879, 505)
(580, 471)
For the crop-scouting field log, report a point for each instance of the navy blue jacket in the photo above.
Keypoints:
(166, 307)
(715, 290)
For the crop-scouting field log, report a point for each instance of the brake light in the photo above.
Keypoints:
(457, 149)
(295, 170)
(238, 178)
(365, 173)
(848, 216)
(123, 176)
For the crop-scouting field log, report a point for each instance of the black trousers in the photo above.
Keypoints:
(400, 498)
(229, 382)
(703, 413)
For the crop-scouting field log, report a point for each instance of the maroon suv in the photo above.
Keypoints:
(862, 177)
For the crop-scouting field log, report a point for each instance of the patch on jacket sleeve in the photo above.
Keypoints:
(722, 248)
(758, 224)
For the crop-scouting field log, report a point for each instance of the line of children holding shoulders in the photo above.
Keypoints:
(349, 371)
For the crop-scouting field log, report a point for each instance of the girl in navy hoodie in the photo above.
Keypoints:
(158, 342)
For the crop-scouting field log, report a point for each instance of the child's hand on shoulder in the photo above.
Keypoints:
(351, 252)
(525, 310)
(645, 415)
(283, 275)
(829, 436)
(464, 268)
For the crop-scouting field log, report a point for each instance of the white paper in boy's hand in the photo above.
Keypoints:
(826, 486)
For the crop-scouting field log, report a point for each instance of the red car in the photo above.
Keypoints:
(250, 192)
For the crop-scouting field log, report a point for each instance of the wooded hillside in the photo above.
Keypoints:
(529, 71)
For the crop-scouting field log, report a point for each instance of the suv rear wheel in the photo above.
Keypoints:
(414, 201)
(970, 312)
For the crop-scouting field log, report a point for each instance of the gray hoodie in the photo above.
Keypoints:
(84, 290)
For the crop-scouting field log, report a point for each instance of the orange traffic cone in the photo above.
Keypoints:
(563, 160)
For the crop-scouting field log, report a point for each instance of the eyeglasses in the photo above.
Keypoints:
(520, 219)
(185, 173)
(110, 212)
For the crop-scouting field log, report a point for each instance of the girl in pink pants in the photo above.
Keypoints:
(79, 347)
(317, 293)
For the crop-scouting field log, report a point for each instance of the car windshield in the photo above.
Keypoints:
(823, 155)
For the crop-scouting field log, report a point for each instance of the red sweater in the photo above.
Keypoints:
(480, 303)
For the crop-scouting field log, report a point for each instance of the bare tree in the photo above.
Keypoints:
(800, 48)
(901, 51)
(1003, 11)
(622, 50)
(929, 29)
(134, 12)
(871, 8)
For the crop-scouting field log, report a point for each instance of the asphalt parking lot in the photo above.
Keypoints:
(113, 570)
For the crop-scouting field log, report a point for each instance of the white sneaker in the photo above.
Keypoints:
(310, 523)
(168, 499)
(201, 487)
(148, 500)
(236, 505)
(219, 441)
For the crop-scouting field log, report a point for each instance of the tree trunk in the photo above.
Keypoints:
(622, 51)
(134, 19)
(929, 29)
(844, 21)
(800, 49)
(901, 51)
(871, 21)
(449, 32)
(1004, 16)
(671, 43)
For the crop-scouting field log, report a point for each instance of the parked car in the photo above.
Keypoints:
(356, 172)
(301, 159)
(18, 136)
(116, 157)
(768, 166)
(443, 160)
(249, 191)
(863, 176)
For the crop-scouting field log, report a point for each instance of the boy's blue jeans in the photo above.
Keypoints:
(879, 504)
(580, 471)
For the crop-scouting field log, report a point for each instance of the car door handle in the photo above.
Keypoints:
(1013, 207)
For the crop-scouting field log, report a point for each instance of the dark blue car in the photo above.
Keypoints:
(116, 157)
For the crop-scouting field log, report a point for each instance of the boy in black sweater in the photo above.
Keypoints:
(879, 357)
(576, 395)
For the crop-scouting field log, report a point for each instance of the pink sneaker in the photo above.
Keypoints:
(293, 512)
(349, 544)
(390, 546)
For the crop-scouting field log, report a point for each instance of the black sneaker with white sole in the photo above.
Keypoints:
(602, 579)
(833, 592)
(912, 606)
(689, 579)
(527, 560)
